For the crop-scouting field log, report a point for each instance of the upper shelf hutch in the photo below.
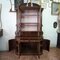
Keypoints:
(29, 35)
(29, 28)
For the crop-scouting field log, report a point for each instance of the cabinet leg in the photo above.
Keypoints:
(18, 51)
(39, 50)
(39, 56)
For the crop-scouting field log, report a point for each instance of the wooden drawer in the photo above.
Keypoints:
(32, 33)
(30, 38)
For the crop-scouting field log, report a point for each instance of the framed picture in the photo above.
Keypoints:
(55, 0)
(55, 8)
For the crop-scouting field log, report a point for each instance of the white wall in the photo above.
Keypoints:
(49, 32)
(9, 22)
(9, 25)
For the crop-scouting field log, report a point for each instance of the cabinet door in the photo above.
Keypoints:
(46, 44)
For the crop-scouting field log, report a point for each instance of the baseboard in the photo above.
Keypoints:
(4, 50)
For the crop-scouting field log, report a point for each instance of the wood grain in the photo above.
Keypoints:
(53, 54)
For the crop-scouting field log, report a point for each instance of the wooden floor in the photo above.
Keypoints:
(53, 54)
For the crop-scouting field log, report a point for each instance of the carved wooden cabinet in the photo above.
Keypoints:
(29, 34)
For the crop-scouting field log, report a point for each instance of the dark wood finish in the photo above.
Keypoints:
(29, 48)
(46, 44)
(29, 34)
(58, 40)
(12, 44)
(29, 40)
(1, 32)
(24, 7)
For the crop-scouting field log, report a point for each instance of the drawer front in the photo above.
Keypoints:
(33, 34)
(30, 38)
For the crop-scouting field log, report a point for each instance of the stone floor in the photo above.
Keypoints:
(53, 54)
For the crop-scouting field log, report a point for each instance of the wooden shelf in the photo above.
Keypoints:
(37, 41)
(27, 24)
(30, 15)
(28, 39)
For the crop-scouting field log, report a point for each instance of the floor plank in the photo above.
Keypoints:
(53, 54)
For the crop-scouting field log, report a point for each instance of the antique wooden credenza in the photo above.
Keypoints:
(29, 34)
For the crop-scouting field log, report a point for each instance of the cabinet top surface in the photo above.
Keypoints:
(34, 6)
